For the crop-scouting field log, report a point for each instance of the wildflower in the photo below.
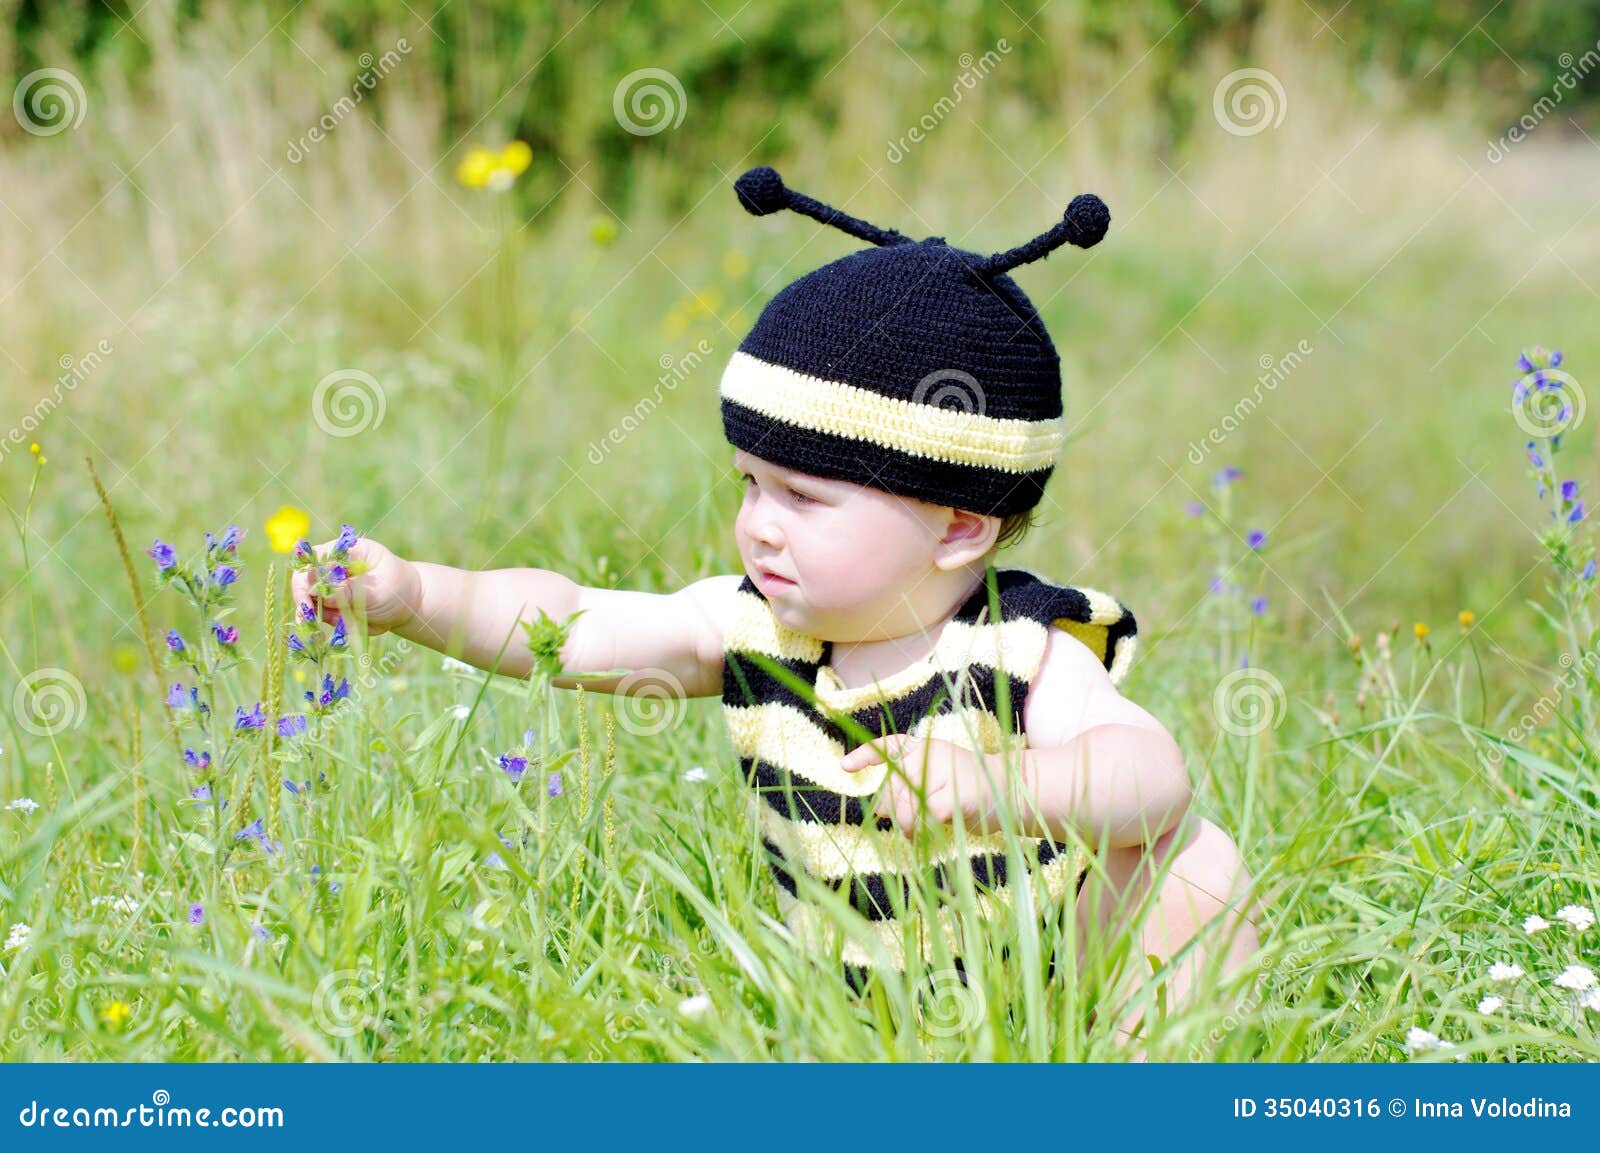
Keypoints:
(307, 613)
(1420, 631)
(347, 539)
(330, 693)
(22, 805)
(453, 665)
(251, 720)
(291, 726)
(1465, 618)
(1195, 508)
(1216, 585)
(1499, 971)
(554, 787)
(1256, 539)
(699, 1003)
(200, 760)
(224, 575)
(1578, 916)
(174, 641)
(1224, 476)
(226, 635)
(1588, 570)
(514, 765)
(1258, 605)
(200, 794)
(285, 527)
(1569, 491)
(180, 698)
(1535, 458)
(17, 937)
(260, 932)
(1576, 514)
(603, 231)
(231, 536)
(336, 574)
(303, 551)
(254, 829)
(460, 712)
(295, 644)
(1490, 1004)
(496, 171)
(1419, 1040)
(197, 914)
(1591, 1000)
(1535, 924)
(165, 555)
(530, 738)
(1578, 978)
(339, 636)
(333, 886)
(116, 1014)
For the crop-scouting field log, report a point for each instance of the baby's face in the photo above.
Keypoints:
(839, 560)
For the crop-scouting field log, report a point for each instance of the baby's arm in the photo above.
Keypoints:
(1095, 761)
(472, 615)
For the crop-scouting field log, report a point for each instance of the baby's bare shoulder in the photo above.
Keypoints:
(1072, 692)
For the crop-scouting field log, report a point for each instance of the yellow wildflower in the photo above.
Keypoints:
(603, 231)
(116, 1014)
(34, 448)
(1421, 631)
(286, 526)
(1466, 617)
(486, 168)
(735, 264)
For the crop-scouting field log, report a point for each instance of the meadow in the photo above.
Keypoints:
(1296, 453)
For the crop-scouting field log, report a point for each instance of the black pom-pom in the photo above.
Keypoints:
(761, 191)
(1089, 218)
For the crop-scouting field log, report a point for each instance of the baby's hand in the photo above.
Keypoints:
(383, 590)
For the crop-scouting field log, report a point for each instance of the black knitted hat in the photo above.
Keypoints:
(911, 367)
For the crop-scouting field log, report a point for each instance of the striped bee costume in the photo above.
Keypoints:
(815, 818)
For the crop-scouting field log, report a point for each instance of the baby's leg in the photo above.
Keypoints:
(1205, 894)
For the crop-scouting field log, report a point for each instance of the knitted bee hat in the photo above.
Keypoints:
(911, 367)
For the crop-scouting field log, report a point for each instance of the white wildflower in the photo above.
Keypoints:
(460, 712)
(1535, 924)
(1591, 1000)
(122, 903)
(18, 936)
(451, 665)
(697, 774)
(1579, 917)
(23, 805)
(1419, 1040)
(699, 1003)
(1490, 1005)
(1577, 978)
(1499, 971)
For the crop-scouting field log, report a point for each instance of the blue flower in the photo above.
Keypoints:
(530, 738)
(291, 726)
(1195, 508)
(1569, 491)
(337, 574)
(307, 613)
(296, 645)
(303, 550)
(1258, 605)
(180, 698)
(226, 635)
(164, 553)
(260, 932)
(555, 785)
(1224, 476)
(1256, 539)
(347, 539)
(174, 641)
(514, 765)
(224, 575)
(200, 760)
(339, 637)
(197, 914)
(230, 538)
(1576, 514)
(251, 720)
(1534, 456)
(1524, 363)
(1215, 585)
(1555, 358)
(330, 693)
(200, 793)
(1588, 570)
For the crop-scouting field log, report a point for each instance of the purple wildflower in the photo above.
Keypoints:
(291, 726)
(1215, 585)
(260, 932)
(200, 793)
(174, 641)
(296, 645)
(330, 693)
(1195, 508)
(1576, 514)
(1258, 605)
(1524, 363)
(1256, 539)
(1555, 358)
(347, 539)
(1534, 456)
(530, 737)
(1226, 475)
(514, 765)
(251, 720)
(230, 538)
(224, 575)
(164, 554)
(339, 636)
(1588, 570)
(307, 613)
(197, 914)
(337, 574)
(225, 634)
(200, 760)
(303, 550)
(254, 829)
(180, 698)
(554, 786)
(1569, 491)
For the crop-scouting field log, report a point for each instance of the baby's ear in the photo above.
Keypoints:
(968, 536)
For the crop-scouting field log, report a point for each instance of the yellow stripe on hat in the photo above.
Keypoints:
(918, 429)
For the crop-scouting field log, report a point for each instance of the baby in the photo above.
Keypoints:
(894, 416)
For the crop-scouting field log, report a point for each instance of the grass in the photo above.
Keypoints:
(1398, 852)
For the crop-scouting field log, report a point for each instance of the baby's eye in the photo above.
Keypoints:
(802, 498)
